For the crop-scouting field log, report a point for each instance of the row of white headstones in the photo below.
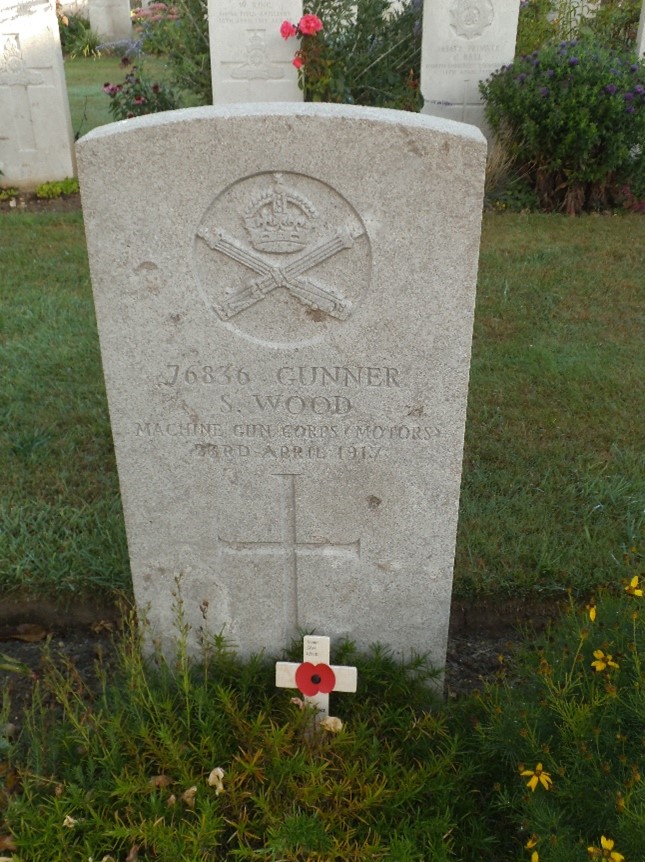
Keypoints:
(463, 42)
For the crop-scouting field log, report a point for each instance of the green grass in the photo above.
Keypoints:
(554, 476)
(88, 104)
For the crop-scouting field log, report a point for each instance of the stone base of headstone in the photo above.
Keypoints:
(36, 140)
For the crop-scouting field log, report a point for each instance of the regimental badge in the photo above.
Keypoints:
(469, 18)
(279, 253)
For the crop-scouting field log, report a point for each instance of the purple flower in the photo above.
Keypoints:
(638, 89)
(611, 89)
(521, 78)
(573, 61)
(630, 109)
(628, 97)
(544, 92)
(633, 67)
(550, 73)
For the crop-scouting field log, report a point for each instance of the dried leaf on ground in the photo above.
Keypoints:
(27, 632)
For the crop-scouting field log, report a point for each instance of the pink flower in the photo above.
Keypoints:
(287, 30)
(310, 24)
(298, 62)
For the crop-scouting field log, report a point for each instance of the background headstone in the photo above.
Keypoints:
(111, 19)
(250, 61)
(286, 351)
(640, 38)
(464, 41)
(36, 140)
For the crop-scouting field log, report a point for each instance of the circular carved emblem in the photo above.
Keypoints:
(470, 18)
(282, 258)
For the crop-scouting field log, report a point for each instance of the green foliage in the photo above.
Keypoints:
(7, 193)
(614, 22)
(57, 189)
(209, 761)
(77, 37)
(574, 114)
(366, 54)
(138, 95)
(182, 37)
(133, 765)
(574, 708)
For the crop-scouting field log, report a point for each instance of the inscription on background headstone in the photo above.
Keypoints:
(250, 61)
(464, 41)
(111, 19)
(286, 351)
(36, 141)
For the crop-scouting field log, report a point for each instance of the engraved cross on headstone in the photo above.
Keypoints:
(288, 547)
(19, 79)
(314, 676)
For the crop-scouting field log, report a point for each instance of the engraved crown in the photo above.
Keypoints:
(280, 220)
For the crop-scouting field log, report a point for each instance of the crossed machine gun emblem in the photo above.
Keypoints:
(309, 292)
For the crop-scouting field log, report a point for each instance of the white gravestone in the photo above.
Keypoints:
(36, 140)
(286, 339)
(640, 37)
(111, 19)
(314, 676)
(250, 61)
(464, 42)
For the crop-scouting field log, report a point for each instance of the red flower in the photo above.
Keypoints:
(287, 30)
(298, 62)
(309, 24)
(314, 678)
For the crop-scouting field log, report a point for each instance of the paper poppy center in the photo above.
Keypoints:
(315, 679)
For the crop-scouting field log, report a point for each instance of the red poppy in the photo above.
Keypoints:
(314, 678)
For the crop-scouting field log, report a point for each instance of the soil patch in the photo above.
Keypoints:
(28, 202)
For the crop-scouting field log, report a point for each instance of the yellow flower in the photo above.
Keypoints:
(603, 661)
(530, 844)
(592, 612)
(537, 776)
(605, 851)
(633, 589)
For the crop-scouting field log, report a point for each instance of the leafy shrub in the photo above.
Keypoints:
(614, 22)
(182, 36)
(57, 189)
(574, 114)
(77, 37)
(137, 95)
(154, 25)
(365, 53)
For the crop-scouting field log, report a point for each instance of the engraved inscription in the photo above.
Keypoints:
(257, 65)
(469, 18)
(288, 547)
(280, 257)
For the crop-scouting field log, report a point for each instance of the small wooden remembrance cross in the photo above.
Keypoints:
(315, 677)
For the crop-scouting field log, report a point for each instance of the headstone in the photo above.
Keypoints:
(285, 339)
(36, 140)
(464, 42)
(250, 61)
(111, 19)
(315, 678)
(640, 37)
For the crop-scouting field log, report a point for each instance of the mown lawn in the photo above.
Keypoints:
(554, 477)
